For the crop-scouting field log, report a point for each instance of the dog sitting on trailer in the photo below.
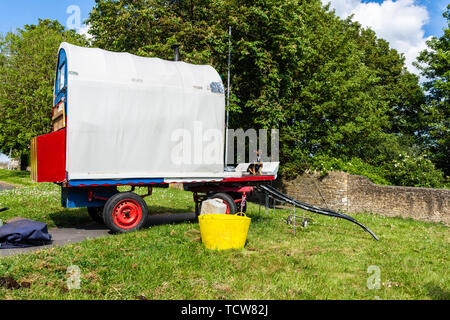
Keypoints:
(256, 167)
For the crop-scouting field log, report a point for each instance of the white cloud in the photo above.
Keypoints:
(84, 30)
(343, 8)
(399, 22)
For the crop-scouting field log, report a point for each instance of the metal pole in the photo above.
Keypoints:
(176, 52)
(9, 159)
(228, 95)
(267, 202)
(294, 220)
(259, 212)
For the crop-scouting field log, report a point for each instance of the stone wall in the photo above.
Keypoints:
(328, 191)
(355, 194)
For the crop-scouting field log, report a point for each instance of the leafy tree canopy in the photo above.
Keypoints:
(332, 87)
(27, 71)
(435, 66)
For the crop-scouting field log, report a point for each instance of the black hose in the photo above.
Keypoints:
(276, 194)
(3, 209)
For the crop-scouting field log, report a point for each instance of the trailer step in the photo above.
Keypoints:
(280, 196)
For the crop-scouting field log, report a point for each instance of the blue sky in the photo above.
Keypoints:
(437, 22)
(406, 24)
(435, 9)
(16, 13)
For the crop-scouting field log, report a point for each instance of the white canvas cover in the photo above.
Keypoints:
(126, 116)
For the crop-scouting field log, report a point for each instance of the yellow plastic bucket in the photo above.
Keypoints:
(224, 231)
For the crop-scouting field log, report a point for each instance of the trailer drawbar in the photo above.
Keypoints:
(279, 196)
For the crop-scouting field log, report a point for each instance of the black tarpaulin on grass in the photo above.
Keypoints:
(24, 233)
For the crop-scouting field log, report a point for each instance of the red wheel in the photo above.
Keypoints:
(228, 207)
(125, 212)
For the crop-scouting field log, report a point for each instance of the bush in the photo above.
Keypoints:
(324, 164)
(405, 170)
(414, 171)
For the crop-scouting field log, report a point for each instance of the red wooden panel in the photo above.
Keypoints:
(51, 157)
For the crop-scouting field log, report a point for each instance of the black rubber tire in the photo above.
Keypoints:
(96, 213)
(116, 199)
(229, 201)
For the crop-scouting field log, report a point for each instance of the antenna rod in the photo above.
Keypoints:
(9, 159)
(228, 96)
(176, 52)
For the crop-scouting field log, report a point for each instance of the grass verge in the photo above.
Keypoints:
(16, 178)
(329, 259)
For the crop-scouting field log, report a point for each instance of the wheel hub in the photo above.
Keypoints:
(127, 214)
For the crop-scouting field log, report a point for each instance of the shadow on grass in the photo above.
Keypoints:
(152, 209)
(171, 218)
(70, 217)
(437, 293)
(79, 218)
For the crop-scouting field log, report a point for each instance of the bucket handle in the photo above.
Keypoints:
(241, 214)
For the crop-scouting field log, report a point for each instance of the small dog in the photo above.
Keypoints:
(255, 167)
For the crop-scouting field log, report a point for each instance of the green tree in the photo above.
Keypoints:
(435, 66)
(330, 86)
(27, 71)
(399, 89)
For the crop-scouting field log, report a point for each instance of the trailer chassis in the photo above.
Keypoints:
(120, 211)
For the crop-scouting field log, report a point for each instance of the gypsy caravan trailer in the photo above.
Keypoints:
(120, 119)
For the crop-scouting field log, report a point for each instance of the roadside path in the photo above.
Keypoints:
(5, 186)
(65, 236)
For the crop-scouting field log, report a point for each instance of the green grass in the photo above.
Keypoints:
(327, 260)
(21, 178)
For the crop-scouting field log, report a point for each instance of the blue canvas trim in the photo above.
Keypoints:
(62, 60)
(112, 182)
(79, 197)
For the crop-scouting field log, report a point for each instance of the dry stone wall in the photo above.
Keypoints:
(356, 194)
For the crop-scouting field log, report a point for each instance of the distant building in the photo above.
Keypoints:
(14, 164)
